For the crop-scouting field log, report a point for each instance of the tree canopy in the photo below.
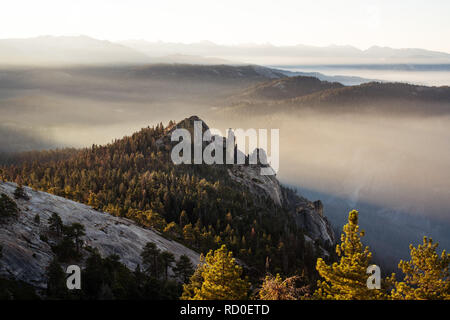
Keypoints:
(218, 277)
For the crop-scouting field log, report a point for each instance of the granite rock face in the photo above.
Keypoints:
(259, 185)
(312, 220)
(26, 256)
(308, 215)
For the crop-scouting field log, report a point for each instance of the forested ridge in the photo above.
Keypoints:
(198, 205)
(290, 96)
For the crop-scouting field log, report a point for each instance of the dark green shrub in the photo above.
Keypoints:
(8, 207)
(20, 193)
(43, 237)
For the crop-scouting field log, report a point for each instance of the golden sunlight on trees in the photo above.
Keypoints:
(347, 279)
(426, 274)
(218, 277)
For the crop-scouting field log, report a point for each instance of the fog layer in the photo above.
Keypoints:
(400, 163)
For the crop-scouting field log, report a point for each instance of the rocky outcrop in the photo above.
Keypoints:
(318, 207)
(308, 215)
(316, 225)
(262, 186)
(26, 255)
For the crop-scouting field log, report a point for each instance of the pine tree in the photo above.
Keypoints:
(167, 259)
(8, 207)
(56, 285)
(93, 275)
(426, 274)
(189, 234)
(183, 268)
(75, 231)
(195, 282)
(347, 279)
(150, 259)
(55, 224)
(93, 201)
(66, 250)
(184, 220)
(221, 278)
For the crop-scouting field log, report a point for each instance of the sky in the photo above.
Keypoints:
(398, 24)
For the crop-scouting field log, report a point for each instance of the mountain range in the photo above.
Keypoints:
(296, 94)
(268, 54)
(83, 50)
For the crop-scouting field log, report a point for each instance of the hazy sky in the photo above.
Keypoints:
(411, 23)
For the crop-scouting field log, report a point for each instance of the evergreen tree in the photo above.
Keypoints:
(8, 207)
(65, 250)
(426, 274)
(94, 276)
(347, 279)
(75, 231)
(37, 219)
(195, 282)
(92, 200)
(167, 258)
(221, 278)
(150, 259)
(184, 220)
(55, 224)
(189, 234)
(183, 268)
(56, 281)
